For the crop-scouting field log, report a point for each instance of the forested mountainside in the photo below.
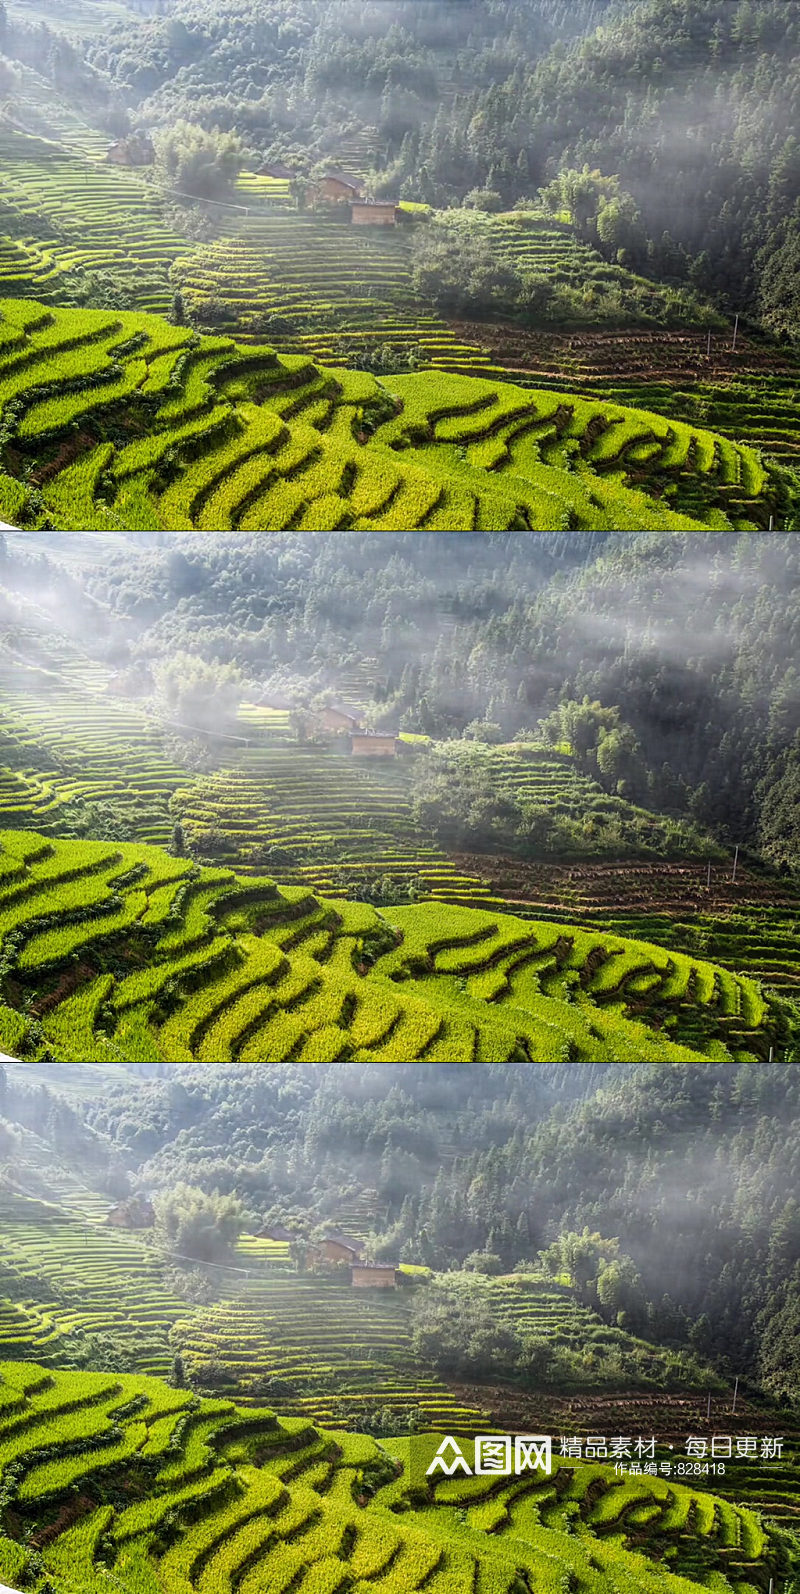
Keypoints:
(693, 642)
(692, 1170)
(691, 104)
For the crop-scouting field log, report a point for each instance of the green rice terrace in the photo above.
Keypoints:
(333, 1351)
(118, 420)
(333, 288)
(750, 392)
(120, 952)
(69, 745)
(330, 1352)
(749, 923)
(318, 822)
(118, 1481)
(327, 293)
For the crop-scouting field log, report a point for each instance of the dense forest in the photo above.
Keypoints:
(692, 1171)
(667, 662)
(666, 128)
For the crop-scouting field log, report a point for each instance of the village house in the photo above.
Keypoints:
(335, 1248)
(371, 213)
(277, 169)
(274, 1231)
(275, 700)
(138, 150)
(136, 1213)
(129, 683)
(365, 744)
(339, 719)
(373, 1275)
(337, 185)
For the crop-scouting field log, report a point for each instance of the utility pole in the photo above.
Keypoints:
(708, 883)
(735, 861)
(709, 343)
(735, 1393)
(709, 1405)
(735, 331)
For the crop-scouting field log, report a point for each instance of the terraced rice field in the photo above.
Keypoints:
(145, 1489)
(332, 1348)
(115, 420)
(333, 289)
(40, 1175)
(750, 393)
(317, 820)
(39, 113)
(318, 806)
(335, 1352)
(330, 1352)
(66, 743)
(68, 1277)
(119, 952)
(272, 788)
(338, 285)
(547, 778)
(333, 286)
(749, 924)
(54, 210)
(768, 1484)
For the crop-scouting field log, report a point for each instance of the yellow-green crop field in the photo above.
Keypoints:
(119, 952)
(146, 1489)
(116, 420)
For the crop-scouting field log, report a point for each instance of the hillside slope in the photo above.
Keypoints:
(120, 421)
(177, 1493)
(76, 1288)
(116, 951)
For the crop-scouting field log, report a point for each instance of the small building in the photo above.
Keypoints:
(275, 700)
(339, 719)
(337, 185)
(134, 151)
(365, 745)
(373, 1276)
(369, 213)
(129, 683)
(274, 1231)
(137, 1213)
(336, 1248)
(277, 169)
